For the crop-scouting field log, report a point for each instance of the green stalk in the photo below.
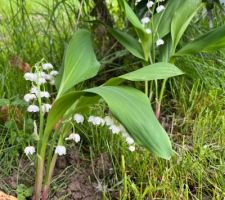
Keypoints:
(124, 178)
(50, 158)
(146, 88)
(49, 177)
(39, 159)
(159, 100)
(39, 178)
(51, 162)
(151, 91)
(40, 166)
(162, 91)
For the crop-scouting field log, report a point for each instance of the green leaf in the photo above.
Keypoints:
(132, 17)
(130, 43)
(144, 37)
(212, 40)
(182, 18)
(132, 108)
(85, 103)
(80, 61)
(162, 21)
(161, 70)
(165, 50)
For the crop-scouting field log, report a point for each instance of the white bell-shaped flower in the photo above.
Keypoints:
(145, 20)
(33, 108)
(30, 76)
(150, 4)
(29, 97)
(160, 8)
(131, 148)
(30, 150)
(44, 94)
(34, 90)
(74, 136)
(46, 76)
(137, 1)
(159, 42)
(54, 73)
(97, 121)
(108, 120)
(129, 140)
(46, 107)
(40, 81)
(115, 129)
(47, 66)
(60, 150)
(78, 118)
(148, 31)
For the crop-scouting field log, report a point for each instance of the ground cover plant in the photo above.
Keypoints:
(79, 123)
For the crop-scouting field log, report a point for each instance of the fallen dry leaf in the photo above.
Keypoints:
(18, 62)
(4, 196)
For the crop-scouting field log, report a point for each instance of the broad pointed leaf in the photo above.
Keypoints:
(161, 70)
(130, 43)
(132, 108)
(212, 40)
(182, 18)
(132, 17)
(153, 72)
(80, 61)
(162, 20)
(141, 32)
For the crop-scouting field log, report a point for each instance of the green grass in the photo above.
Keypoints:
(193, 112)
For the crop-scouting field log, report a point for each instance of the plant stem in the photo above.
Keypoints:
(49, 177)
(39, 158)
(151, 91)
(40, 166)
(159, 100)
(49, 160)
(146, 88)
(39, 178)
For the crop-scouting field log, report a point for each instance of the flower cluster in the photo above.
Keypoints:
(42, 75)
(146, 20)
(114, 126)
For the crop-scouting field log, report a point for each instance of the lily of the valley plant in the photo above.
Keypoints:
(158, 34)
(133, 116)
